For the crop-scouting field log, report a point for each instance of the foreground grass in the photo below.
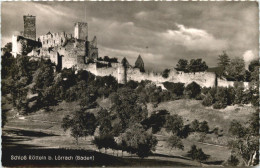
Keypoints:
(48, 134)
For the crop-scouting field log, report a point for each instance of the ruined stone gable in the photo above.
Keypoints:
(54, 39)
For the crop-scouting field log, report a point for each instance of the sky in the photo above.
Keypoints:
(161, 32)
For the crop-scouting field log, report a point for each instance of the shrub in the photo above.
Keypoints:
(203, 127)
(197, 154)
(165, 73)
(175, 88)
(208, 100)
(192, 90)
(219, 105)
(132, 84)
(175, 142)
(230, 95)
(221, 98)
(195, 125)
(205, 90)
(232, 161)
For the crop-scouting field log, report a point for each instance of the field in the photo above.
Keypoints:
(42, 130)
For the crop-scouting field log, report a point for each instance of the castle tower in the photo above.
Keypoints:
(29, 27)
(139, 63)
(81, 31)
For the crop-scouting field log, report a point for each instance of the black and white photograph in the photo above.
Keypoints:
(130, 83)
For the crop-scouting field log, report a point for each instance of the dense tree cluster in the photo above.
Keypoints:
(178, 90)
(107, 59)
(194, 65)
(235, 69)
(125, 124)
(221, 97)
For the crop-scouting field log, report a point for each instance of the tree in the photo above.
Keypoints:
(105, 141)
(223, 62)
(192, 90)
(4, 117)
(253, 65)
(254, 73)
(165, 73)
(8, 61)
(182, 65)
(208, 100)
(138, 141)
(195, 124)
(156, 121)
(104, 121)
(132, 84)
(127, 107)
(221, 97)
(175, 88)
(46, 98)
(197, 154)
(44, 76)
(246, 140)
(239, 93)
(236, 70)
(81, 124)
(174, 123)
(197, 65)
(232, 161)
(175, 142)
(203, 127)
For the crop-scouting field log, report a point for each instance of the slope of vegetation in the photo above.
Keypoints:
(79, 110)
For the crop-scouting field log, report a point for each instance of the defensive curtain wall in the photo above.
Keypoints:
(122, 74)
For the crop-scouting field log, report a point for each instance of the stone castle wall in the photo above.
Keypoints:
(23, 46)
(54, 39)
(204, 79)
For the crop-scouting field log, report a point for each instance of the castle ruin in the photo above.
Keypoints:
(68, 51)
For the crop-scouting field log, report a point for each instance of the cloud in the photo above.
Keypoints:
(204, 29)
(194, 39)
(141, 15)
(248, 57)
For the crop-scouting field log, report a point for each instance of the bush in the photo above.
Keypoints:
(132, 84)
(203, 127)
(208, 100)
(197, 154)
(195, 125)
(205, 90)
(232, 161)
(175, 88)
(230, 95)
(221, 97)
(156, 121)
(165, 73)
(192, 90)
(219, 105)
